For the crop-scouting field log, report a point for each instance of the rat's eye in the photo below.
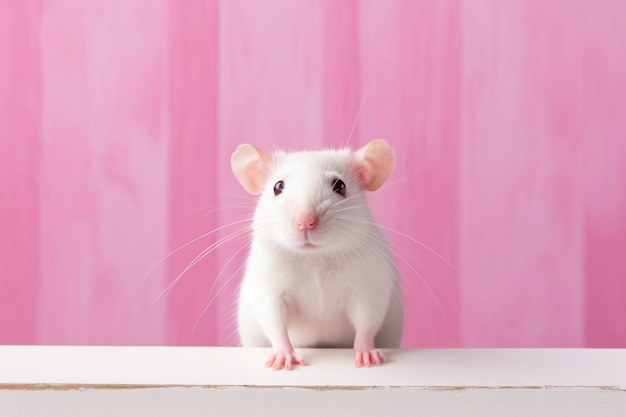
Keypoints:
(339, 187)
(279, 187)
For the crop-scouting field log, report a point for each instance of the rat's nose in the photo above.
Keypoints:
(306, 221)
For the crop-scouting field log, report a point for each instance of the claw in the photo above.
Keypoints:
(283, 360)
(368, 358)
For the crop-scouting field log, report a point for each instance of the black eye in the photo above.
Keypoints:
(339, 187)
(279, 187)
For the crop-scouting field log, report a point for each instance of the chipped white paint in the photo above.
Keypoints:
(159, 381)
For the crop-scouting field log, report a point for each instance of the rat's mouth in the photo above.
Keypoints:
(306, 243)
(307, 240)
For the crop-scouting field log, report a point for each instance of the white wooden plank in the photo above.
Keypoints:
(218, 366)
(292, 401)
(193, 381)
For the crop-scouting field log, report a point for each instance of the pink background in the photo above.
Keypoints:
(118, 118)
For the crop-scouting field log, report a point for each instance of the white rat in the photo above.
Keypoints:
(319, 273)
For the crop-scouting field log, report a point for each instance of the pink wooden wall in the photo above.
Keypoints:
(118, 118)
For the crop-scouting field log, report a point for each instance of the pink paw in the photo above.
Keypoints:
(283, 359)
(368, 358)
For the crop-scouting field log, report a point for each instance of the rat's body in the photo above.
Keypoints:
(319, 272)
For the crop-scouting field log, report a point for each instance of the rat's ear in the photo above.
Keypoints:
(374, 163)
(250, 166)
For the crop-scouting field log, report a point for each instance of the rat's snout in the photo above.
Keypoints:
(306, 220)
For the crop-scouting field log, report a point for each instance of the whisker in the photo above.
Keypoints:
(356, 119)
(343, 201)
(201, 256)
(386, 259)
(267, 125)
(375, 237)
(160, 261)
(442, 258)
(350, 208)
(239, 196)
(219, 291)
(425, 282)
(461, 274)
(217, 277)
(395, 182)
(414, 259)
(228, 208)
(404, 235)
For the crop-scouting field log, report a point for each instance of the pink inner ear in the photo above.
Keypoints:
(250, 166)
(375, 162)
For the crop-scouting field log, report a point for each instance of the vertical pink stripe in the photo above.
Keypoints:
(341, 74)
(193, 176)
(20, 102)
(102, 172)
(68, 202)
(605, 294)
(604, 173)
(411, 58)
(270, 70)
(522, 201)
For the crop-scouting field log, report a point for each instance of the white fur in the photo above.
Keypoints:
(345, 287)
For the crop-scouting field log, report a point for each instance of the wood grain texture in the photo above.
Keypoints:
(232, 381)
(279, 401)
(20, 167)
(118, 120)
(193, 178)
(102, 165)
(523, 195)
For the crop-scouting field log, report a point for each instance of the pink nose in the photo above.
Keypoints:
(306, 222)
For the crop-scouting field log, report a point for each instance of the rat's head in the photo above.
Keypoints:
(313, 201)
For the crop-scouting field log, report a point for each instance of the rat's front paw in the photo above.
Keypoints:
(368, 358)
(283, 359)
